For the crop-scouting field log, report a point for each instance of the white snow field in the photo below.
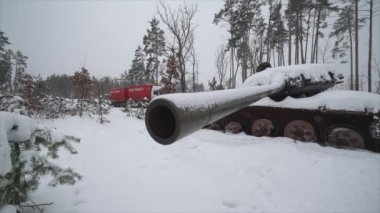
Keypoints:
(124, 170)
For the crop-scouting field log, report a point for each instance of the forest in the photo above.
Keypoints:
(279, 32)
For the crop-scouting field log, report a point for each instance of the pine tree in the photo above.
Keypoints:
(276, 34)
(154, 47)
(59, 85)
(32, 89)
(295, 18)
(343, 31)
(137, 74)
(170, 79)
(20, 66)
(3, 41)
(240, 15)
(5, 71)
(27, 163)
(5, 64)
(83, 86)
(323, 9)
(257, 46)
(102, 107)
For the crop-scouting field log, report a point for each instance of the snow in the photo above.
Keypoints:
(218, 97)
(314, 72)
(23, 132)
(124, 170)
(57, 136)
(330, 100)
(271, 78)
(8, 209)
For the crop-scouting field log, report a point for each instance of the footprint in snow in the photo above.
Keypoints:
(76, 192)
(78, 202)
(230, 203)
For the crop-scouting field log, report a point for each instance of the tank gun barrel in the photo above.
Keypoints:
(171, 117)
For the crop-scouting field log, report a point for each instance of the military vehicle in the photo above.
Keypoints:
(284, 101)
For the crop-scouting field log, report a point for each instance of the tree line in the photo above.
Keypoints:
(295, 32)
(15, 79)
(167, 59)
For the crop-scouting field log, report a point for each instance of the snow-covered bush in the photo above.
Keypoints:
(92, 108)
(23, 163)
(11, 103)
(54, 107)
(136, 108)
(103, 107)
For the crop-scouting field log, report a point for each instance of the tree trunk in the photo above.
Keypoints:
(356, 45)
(351, 56)
(312, 37)
(301, 39)
(261, 48)
(370, 47)
(290, 47)
(194, 78)
(307, 34)
(182, 70)
(296, 41)
(244, 66)
(17, 175)
(232, 68)
(317, 37)
(270, 35)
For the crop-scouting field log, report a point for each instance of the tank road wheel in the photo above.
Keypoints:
(233, 127)
(300, 130)
(345, 138)
(262, 127)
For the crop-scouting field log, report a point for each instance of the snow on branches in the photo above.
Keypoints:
(23, 163)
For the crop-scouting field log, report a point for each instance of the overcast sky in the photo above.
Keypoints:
(60, 36)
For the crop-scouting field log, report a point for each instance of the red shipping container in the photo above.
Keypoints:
(119, 95)
(141, 92)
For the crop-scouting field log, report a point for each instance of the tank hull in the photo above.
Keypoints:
(322, 122)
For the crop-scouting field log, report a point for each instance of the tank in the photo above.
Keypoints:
(174, 116)
(344, 119)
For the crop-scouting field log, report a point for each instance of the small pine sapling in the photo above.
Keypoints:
(27, 163)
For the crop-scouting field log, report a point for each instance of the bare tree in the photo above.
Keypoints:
(222, 64)
(194, 67)
(234, 72)
(180, 23)
(356, 44)
(378, 73)
(371, 3)
(324, 50)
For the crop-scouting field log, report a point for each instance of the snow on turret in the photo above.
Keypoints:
(330, 100)
(314, 72)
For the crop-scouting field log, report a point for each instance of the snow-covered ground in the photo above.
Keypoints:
(124, 170)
